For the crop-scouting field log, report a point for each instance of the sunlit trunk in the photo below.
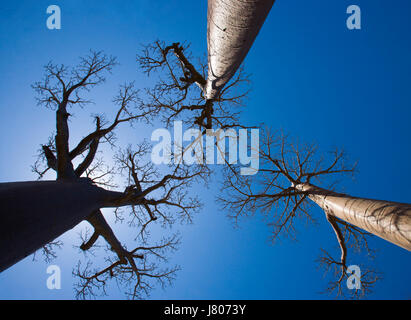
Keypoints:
(232, 26)
(36, 212)
(388, 220)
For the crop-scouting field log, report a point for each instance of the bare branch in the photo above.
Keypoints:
(152, 195)
(174, 96)
(285, 164)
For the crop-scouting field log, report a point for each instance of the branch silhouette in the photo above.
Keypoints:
(286, 164)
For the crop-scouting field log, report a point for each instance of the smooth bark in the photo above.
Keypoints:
(385, 219)
(232, 26)
(34, 213)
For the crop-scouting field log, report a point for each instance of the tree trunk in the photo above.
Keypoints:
(388, 220)
(36, 212)
(232, 26)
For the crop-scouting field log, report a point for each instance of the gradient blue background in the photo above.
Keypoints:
(311, 76)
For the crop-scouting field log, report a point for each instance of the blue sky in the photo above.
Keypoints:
(310, 76)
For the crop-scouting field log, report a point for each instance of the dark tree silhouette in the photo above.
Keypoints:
(285, 165)
(35, 213)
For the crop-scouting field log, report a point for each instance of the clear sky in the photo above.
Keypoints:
(311, 76)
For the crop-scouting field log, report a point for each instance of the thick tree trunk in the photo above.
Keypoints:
(232, 26)
(36, 212)
(388, 220)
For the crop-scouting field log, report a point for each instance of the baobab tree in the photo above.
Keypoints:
(232, 27)
(285, 190)
(35, 213)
